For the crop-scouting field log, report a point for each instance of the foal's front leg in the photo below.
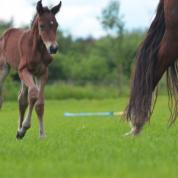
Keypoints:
(23, 103)
(39, 106)
(33, 94)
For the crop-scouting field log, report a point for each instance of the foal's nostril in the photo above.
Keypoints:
(53, 50)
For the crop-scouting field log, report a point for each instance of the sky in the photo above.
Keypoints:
(79, 17)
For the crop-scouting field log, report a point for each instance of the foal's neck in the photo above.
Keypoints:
(37, 42)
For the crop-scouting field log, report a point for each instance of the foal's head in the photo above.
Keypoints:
(47, 26)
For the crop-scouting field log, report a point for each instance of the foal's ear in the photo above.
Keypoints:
(39, 7)
(56, 9)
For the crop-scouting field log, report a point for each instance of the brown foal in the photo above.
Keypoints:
(29, 52)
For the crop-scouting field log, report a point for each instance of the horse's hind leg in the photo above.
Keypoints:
(135, 130)
(166, 56)
(23, 103)
(4, 70)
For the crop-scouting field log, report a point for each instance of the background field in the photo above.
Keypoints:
(88, 147)
(96, 73)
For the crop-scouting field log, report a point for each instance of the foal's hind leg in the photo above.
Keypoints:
(4, 70)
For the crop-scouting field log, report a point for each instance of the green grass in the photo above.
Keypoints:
(90, 147)
(63, 91)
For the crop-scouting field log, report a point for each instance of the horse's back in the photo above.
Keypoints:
(171, 14)
(9, 43)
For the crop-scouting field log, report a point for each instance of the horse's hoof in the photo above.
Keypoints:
(127, 134)
(134, 132)
(19, 135)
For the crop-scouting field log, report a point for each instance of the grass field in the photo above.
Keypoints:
(88, 147)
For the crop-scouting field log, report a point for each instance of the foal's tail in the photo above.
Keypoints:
(140, 105)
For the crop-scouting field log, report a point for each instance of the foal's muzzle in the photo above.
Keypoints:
(53, 49)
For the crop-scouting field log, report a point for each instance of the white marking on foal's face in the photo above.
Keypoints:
(49, 44)
(52, 22)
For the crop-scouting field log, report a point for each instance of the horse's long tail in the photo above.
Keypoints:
(140, 105)
(172, 80)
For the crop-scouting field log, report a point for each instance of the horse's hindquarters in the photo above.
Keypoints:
(10, 49)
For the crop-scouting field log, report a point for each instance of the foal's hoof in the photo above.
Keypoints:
(20, 135)
(42, 136)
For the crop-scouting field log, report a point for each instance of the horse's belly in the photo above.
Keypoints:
(13, 59)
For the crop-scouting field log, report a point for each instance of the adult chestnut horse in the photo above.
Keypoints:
(29, 52)
(157, 54)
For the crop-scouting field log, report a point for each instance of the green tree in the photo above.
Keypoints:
(111, 19)
(112, 22)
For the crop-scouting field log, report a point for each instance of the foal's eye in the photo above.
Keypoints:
(42, 27)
